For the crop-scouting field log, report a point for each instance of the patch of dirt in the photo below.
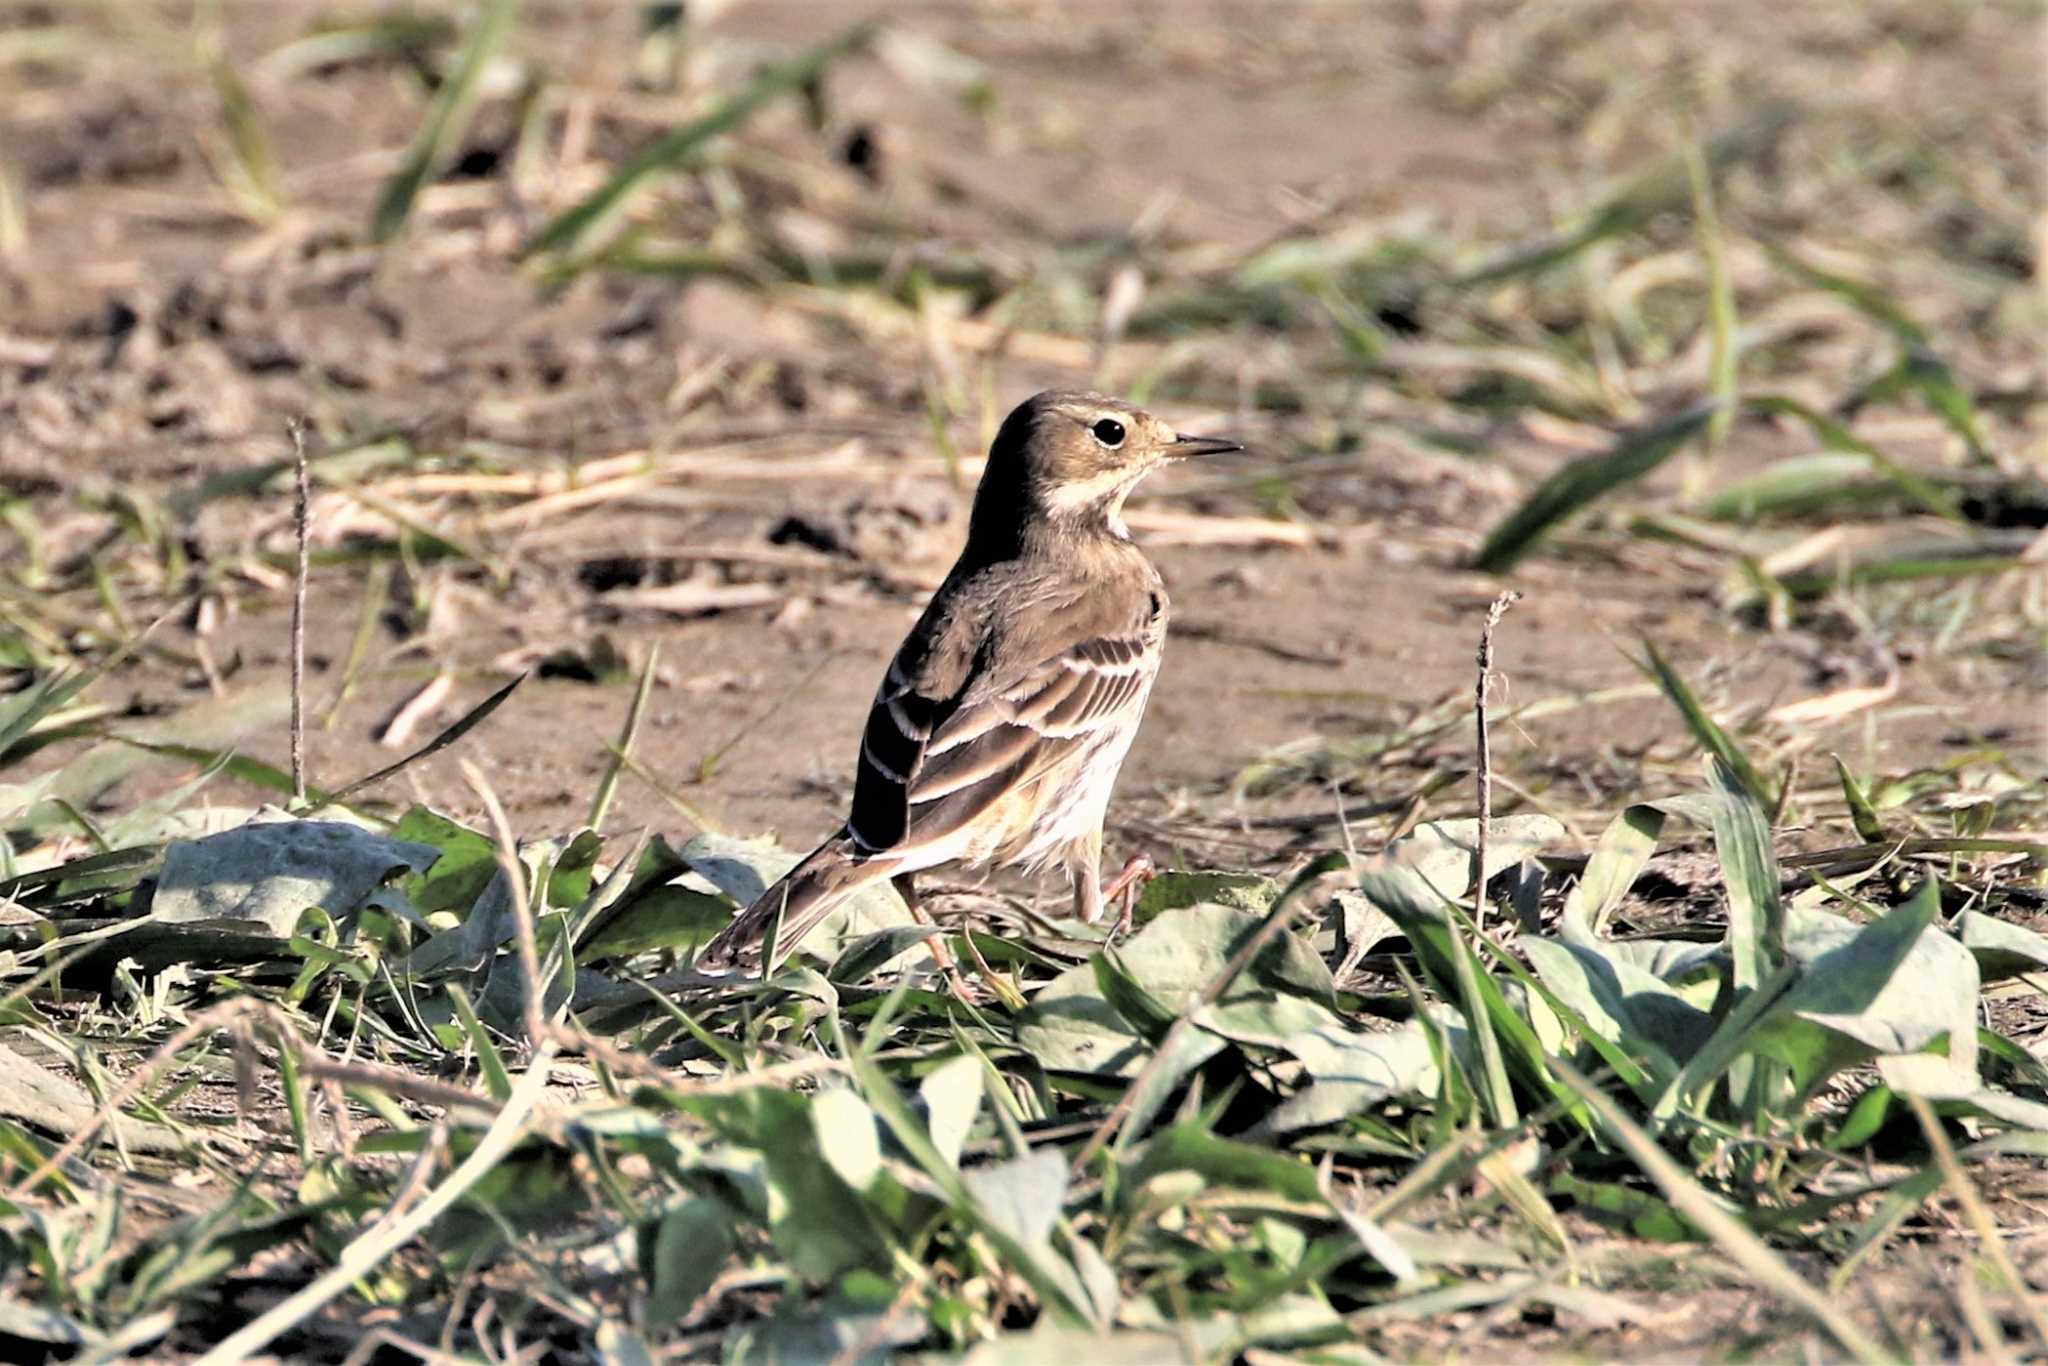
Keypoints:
(155, 338)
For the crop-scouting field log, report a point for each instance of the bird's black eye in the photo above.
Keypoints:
(1109, 432)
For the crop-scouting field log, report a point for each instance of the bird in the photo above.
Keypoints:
(1001, 722)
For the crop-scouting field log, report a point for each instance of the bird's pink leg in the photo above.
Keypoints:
(1129, 885)
(906, 888)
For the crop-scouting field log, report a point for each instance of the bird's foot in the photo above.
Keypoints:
(1127, 886)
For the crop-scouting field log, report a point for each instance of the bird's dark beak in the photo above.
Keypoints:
(1185, 446)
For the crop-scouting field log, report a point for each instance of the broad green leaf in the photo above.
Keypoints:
(1749, 871)
(1056, 1280)
(952, 1093)
(1626, 1005)
(1186, 1050)
(2001, 948)
(469, 860)
(1353, 1071)
(819, 1223)
(1617, 861)
(270, 871)
(845, 1131)
(670, 917)
(1884, 991)
(1435, 863)
(1071, 1025)
(1023, 1197)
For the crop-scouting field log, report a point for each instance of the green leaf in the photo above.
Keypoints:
(846, 1134)
(1887, 991)
(468, 861)
(270, 871)
(568, 234)
(497, 1079)
(1703, 727)
(1861, 814)
(1434, 863)
(1023, 1197)
(1749, 871)
(1840, 441)
(1583, 482)
(1053, 1277)
(952, 1093)
(1643, 1214)
(2001, 948)
(1224, 1162)
(837, 1331)
(1073, 1026)
(1617, 861)
(672, 917)
(819, 1223)
(1624, 1004)
(447, 119)
(1352, 1071)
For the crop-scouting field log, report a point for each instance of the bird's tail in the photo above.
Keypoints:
(807, 893)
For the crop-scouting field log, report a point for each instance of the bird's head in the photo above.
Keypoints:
(1068, 458)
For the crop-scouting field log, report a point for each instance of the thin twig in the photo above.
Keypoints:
(300, 502)
(1485, 775)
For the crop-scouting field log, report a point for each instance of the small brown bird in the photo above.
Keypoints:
(1003, 719)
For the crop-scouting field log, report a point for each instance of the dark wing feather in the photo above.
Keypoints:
(931, 765)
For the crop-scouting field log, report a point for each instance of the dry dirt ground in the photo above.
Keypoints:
(158, 337)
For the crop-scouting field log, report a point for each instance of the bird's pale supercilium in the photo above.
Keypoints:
(1000, 724)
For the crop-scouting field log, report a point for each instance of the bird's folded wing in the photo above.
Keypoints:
(929, 766)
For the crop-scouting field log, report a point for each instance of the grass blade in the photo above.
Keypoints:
(1742, 841)
(1661, 189)
(1722, 351)
(608, 784)
(1764, 1267)
(1836, 437)
(1581, 483)
(468, 722)
(446, 121)
(1703, 727)
(571, 229)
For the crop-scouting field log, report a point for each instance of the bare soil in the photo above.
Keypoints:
(156, 338)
